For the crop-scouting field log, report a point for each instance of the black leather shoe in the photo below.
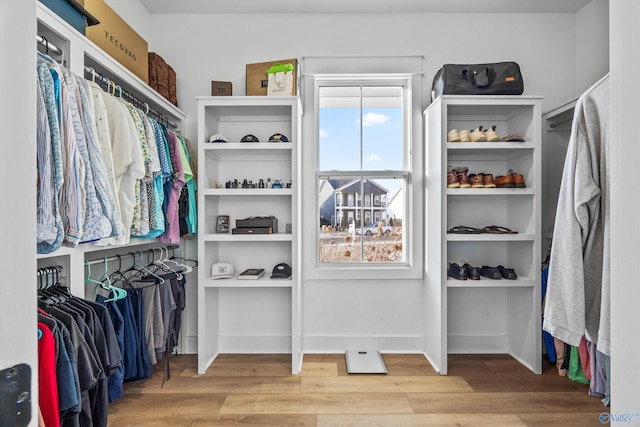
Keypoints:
(472, 272)
(507, 273)
(456, 271)
(490, 272)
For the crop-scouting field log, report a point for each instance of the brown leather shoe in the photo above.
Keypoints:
(518, 180)
(476, 180)
(452, 178)
(504, 181)
(488, 181)
(463, 177)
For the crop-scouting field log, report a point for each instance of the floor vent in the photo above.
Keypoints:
(365, 362)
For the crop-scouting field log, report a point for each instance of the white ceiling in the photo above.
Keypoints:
(358, 6)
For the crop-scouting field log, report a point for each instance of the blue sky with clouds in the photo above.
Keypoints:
(340, 139)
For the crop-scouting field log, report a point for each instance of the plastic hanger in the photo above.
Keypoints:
(185, 267)
(118, 293)
(138, 266)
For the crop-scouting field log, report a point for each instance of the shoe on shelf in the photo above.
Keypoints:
(507, 273)
(504, 181)
(476, 180)
(491, 135)
(477, 135)
(463, 177)
(490, 272)
(487, 181)
(457, 272)
(452, 178)
(464, 136)
(453, 136)
(472, 272)
(518, 179)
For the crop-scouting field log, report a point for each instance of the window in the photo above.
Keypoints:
(363, 146)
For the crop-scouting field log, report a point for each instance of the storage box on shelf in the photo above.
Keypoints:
(486, 315)
(267, 309)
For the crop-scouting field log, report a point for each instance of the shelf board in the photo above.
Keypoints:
(489, 148)
(247, 191)
(521, 282)
(246, 146)
(228, 237)
(491, 192)
(489, 237)
(263, 282)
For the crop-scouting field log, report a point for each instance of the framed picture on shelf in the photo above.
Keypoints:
(222, 224)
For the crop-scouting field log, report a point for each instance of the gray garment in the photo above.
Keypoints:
(577, 302)
(153, 325)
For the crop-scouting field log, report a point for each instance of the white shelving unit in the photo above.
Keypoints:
(248, 316)
(484, 316)
(78, 52)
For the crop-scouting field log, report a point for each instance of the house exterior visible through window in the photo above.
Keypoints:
(363, 165)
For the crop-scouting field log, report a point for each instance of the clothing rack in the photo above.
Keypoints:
(50, 47)
(116, 90)
(48, 277)
(133, 254)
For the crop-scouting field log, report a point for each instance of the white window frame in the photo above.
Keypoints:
(413, 239)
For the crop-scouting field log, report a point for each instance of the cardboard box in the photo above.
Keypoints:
(118, 39)
(257, 76)
(221, 88)
(73, 12)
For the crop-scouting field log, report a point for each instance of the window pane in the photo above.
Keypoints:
(356, 232)
(382, 129)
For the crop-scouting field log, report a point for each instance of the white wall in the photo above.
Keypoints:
(592, 44)
(202, 48)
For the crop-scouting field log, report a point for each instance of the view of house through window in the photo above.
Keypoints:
(362, 172)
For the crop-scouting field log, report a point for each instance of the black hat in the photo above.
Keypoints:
(278, 137)
(281, 271)
(249, 138)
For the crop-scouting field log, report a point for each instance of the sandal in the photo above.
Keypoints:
(463, 229)
(495, 229)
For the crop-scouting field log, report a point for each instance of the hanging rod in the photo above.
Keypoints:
(121, 91)
(49, 46)
(131, 254)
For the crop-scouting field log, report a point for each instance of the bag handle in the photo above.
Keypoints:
(479, 79)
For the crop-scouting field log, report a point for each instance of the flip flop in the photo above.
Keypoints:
(463, 229)
(495, 229)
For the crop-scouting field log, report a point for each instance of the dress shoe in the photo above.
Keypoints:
(472, 272)
(507, 273)
(477, 135)
(457, 272)
(476, 180)
(488, 181)
(490, 272)
(463, 177)
(504, 181)
(452, 178)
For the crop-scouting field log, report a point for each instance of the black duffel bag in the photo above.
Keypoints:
(499, 78)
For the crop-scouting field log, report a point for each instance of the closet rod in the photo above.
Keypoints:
(121, 91)
(49, 46)
(132, 254)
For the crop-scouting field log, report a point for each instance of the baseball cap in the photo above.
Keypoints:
(249, 138)
(281, 271)
(512, 138)
(278, 137)
(222, 270)
(217, 138)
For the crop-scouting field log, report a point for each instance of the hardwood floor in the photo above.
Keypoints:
(258, 390)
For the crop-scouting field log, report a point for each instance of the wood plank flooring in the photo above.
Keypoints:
(258, 390)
